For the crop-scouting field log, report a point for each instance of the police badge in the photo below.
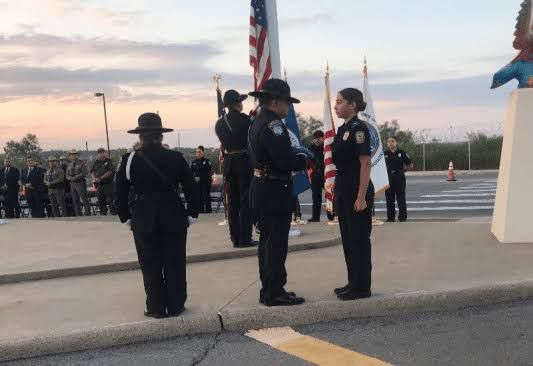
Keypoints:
(276, 128)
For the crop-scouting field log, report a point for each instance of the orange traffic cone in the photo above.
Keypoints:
(451, 172)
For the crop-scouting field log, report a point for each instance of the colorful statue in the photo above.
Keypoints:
(521, 68)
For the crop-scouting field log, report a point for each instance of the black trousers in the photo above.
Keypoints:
(271, 202)
(355, 228)
(396, 192)
(203, 192)
(104, 194)
(272, 254)
(239, 214)
(11, 204)
(317, 184)
(162, 259)
(36, 204)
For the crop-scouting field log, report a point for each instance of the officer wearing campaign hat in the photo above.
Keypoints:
(273, 160)
(102, 174)
(76, 174)
(157, 216)
(54, 179)
(232, 131)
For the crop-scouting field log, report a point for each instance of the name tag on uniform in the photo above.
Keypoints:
(345, 136)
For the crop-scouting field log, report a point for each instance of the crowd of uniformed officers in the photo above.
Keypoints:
(60, 189)
(258, 162)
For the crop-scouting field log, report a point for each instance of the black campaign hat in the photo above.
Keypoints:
(276, 88)
(150, 122)
(232, 97)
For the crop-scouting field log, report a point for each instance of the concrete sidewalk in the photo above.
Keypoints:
(417, 267)
(44, 249)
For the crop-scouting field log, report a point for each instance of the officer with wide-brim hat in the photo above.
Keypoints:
(52, 158)
(232, 131)
(233, 97)
(157, 215)
(149, 122)
(73, 152)
(276, 88)
(274, 160)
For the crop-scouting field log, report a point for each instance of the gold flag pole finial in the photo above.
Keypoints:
(216, 79)
(365, 69)
(327, 68)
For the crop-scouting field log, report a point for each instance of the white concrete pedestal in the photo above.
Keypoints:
(513, 219)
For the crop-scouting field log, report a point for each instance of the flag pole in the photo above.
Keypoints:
(273, 37)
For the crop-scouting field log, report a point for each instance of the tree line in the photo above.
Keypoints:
(485, 150)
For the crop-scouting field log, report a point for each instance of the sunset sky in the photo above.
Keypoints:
(430, 66)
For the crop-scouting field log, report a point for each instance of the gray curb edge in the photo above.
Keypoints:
(378, 305)
(134, 265)
(241, 320)
(109, 336)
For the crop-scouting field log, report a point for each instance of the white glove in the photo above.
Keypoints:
(192, 220)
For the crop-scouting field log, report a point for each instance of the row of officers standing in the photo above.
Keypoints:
(61, 189)
(258, 165)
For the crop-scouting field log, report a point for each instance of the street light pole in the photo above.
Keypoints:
(105, 118)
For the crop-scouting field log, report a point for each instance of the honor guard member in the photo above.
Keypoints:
(203, 177)
(354, 193)
(273, 160)
(317, 174)
(76, 173)
(9, 187)
(159, 220)
(397, 162)
(54, 179)
(102, 174)
(232, 131)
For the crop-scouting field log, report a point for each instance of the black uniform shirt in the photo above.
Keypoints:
(318, 150)
(395, 161)
(146, 182)
(100, 167)
(270, 146)
(232, 131)
(351, 142)
(201, 168)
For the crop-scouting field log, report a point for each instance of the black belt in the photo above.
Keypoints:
(263, 174)
(235, 152)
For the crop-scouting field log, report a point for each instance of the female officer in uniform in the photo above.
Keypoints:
(354, 193)
(158, 217)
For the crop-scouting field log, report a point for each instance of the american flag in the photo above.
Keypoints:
(259, 50)
(329, 135)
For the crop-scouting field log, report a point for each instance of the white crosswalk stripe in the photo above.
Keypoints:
(468, 197)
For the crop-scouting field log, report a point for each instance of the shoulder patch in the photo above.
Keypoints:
(276, 127)
(360, 137)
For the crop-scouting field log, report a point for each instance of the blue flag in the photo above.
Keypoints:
(299, 179)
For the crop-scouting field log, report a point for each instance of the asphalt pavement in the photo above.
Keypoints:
(434, 197)
(497, 335)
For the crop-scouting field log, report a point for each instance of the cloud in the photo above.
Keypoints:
(49, 50)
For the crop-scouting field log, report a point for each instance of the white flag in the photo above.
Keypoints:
(330, 170)
(378, 174)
